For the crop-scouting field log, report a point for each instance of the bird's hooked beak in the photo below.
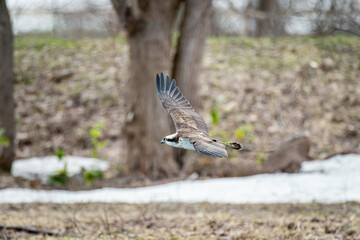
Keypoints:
(162, 141)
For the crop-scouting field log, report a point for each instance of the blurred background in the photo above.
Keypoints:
(79, 111)
(279, 76)
(91, 18)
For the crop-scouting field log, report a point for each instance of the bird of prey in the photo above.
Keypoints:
(191, 130)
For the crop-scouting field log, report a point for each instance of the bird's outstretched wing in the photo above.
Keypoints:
(210, 148)
(179, 108)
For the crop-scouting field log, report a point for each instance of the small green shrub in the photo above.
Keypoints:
(260, 156)
(60, 177)
(245, 132)
(4, 141)
(214, 116)
(95, 135)
(90, 175)
(59, 153)
(214, 112)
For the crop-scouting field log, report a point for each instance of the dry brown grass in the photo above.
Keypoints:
(187, 221)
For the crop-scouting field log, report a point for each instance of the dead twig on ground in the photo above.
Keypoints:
(34, 230)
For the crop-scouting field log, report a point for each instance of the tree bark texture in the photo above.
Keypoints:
(7, 117)
(274, 24)
(189, 52)
(149, 26)
(190, 47)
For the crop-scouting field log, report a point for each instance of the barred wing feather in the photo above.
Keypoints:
(210, 148)
(179, 108)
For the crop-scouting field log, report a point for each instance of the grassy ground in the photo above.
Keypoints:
(187, 221)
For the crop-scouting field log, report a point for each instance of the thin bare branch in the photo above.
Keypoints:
(34, 230)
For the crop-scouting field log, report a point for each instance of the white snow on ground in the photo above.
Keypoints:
(333, 180)
(43, 167)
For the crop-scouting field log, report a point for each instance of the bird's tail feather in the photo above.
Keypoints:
(234, 145)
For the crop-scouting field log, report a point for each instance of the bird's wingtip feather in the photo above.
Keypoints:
(161, 82)
(167, 84)
(157, 83)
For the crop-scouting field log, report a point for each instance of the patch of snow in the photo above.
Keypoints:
(328, 181)
(43, 167)
(340, 164)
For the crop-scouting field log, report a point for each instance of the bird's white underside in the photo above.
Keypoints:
(182, 143)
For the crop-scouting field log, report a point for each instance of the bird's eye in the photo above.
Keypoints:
(164, 139)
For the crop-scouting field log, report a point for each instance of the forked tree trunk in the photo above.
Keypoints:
(189, 52)
(7, 119)
(149, 25)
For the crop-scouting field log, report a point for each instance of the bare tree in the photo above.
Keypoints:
(149, 26)
(7, 119)
(191, 42)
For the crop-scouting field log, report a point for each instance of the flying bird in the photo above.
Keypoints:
(191, 130)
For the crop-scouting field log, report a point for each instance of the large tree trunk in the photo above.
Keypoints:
(187, 60)
(7, 119)
(149, 25)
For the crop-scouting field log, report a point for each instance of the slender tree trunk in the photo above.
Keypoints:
(7, 118)
(274, 24)
(149, 25)
(189, 52)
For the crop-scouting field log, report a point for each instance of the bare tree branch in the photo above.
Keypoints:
(34, 230)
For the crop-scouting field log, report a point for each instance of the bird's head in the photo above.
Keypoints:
(170, 139)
